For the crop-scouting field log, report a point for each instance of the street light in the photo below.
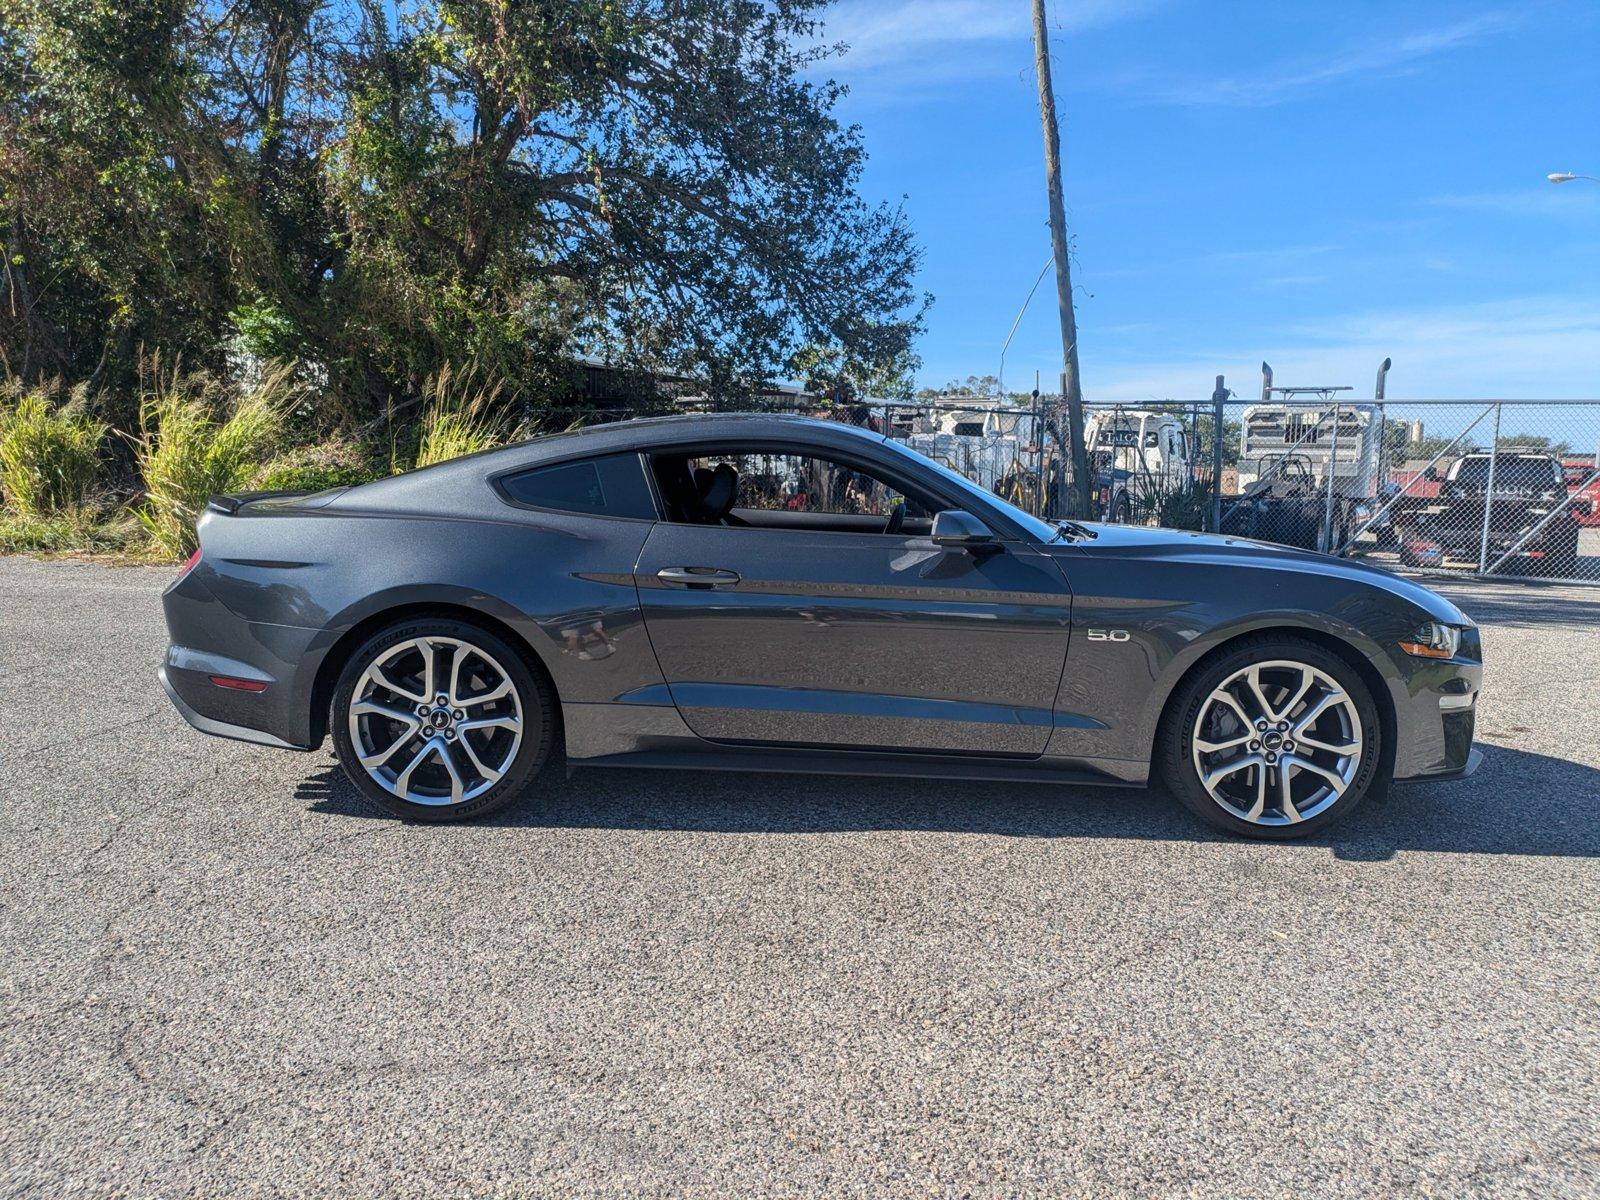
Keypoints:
(1568, 177)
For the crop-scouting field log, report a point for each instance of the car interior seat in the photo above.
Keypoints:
(717, 489)
(701, 497)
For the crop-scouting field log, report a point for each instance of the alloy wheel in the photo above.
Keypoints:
(1277, 742)
(435, 720)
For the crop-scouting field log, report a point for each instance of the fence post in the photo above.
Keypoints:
(1488, 493)
(1038, 454)
(1333, 466)
(1219, 397)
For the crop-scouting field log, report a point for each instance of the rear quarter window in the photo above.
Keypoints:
(612, 485)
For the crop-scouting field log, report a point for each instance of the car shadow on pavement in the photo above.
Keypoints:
(1517, 803)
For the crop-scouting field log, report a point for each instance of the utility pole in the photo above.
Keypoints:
(1071, 386)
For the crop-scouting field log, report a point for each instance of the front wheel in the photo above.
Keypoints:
(1561, 557)
(1276, 739)
(440, 720)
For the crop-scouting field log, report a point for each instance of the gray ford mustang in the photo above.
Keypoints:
(776, 593)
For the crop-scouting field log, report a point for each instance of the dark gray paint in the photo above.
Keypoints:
(847, 642)
(858, 639)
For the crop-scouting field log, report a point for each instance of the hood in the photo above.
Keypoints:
(1227, 552)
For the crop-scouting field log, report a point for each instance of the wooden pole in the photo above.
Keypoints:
(1071, 386)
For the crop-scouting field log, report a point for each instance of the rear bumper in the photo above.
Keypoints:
(218, 728)
(209, 640)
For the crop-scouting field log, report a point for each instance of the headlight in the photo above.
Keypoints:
(1434, 640)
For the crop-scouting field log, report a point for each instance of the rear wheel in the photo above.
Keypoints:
(1276, 739)
(440, 720)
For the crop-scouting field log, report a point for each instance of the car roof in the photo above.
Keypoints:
(664, 431)
(640, 433)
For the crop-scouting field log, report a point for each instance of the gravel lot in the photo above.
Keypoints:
(222, 973)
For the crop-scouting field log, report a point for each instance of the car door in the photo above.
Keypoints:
(806, 634)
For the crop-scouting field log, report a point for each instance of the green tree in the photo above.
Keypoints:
(379, 188)
(835, 372)
(1536, 442)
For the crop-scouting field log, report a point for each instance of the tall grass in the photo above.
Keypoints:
(49, 453)
(188, 450)
(460, 416)
(71, 531)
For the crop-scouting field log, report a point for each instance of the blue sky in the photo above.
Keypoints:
(1314, 184)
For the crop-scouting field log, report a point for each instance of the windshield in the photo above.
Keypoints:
(1512, 472)
(1041, 531)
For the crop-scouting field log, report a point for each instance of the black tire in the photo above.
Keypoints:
(533, 697)
(1175, 762)
(1562, 554)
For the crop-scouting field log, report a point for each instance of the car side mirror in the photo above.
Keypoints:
(962, 531)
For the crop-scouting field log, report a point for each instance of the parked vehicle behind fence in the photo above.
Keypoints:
(1583, 482)
(1138, 456)
(1529, 526)
(1311, 474)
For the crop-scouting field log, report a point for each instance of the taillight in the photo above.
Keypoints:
(194, 559)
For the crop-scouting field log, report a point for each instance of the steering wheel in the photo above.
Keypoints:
(897, 518)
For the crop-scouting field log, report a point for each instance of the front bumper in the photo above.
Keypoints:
(1436, 712)
(1474, 760)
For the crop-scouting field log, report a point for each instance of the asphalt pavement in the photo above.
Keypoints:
(222, 973)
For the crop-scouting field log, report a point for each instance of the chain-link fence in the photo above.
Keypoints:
(1503, 488)
(1500, 488)
(1148, 465)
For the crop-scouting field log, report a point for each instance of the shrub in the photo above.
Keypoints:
(187, 452)
(1186, 509)
(319, 467)
(49, 453)
(460, 417)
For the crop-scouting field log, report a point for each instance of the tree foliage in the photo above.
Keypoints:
(380, 188)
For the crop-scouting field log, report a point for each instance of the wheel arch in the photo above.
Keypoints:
(1341, 648)
(338, 654)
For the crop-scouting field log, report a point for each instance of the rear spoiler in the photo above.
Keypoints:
(230, 504)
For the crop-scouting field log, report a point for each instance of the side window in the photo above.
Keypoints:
(807, 484)
(610, 486)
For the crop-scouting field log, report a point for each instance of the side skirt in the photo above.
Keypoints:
(804, 762)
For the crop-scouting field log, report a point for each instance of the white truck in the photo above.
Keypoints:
(989, 446)
(1137, 456)
(1287, 453)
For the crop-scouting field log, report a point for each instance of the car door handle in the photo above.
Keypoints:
(698, 577)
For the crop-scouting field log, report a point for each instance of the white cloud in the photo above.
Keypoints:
(1290, 78)
(877, 33)
(934, 40)
(1542, 347)
(1267, 256)
(1573, 200)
